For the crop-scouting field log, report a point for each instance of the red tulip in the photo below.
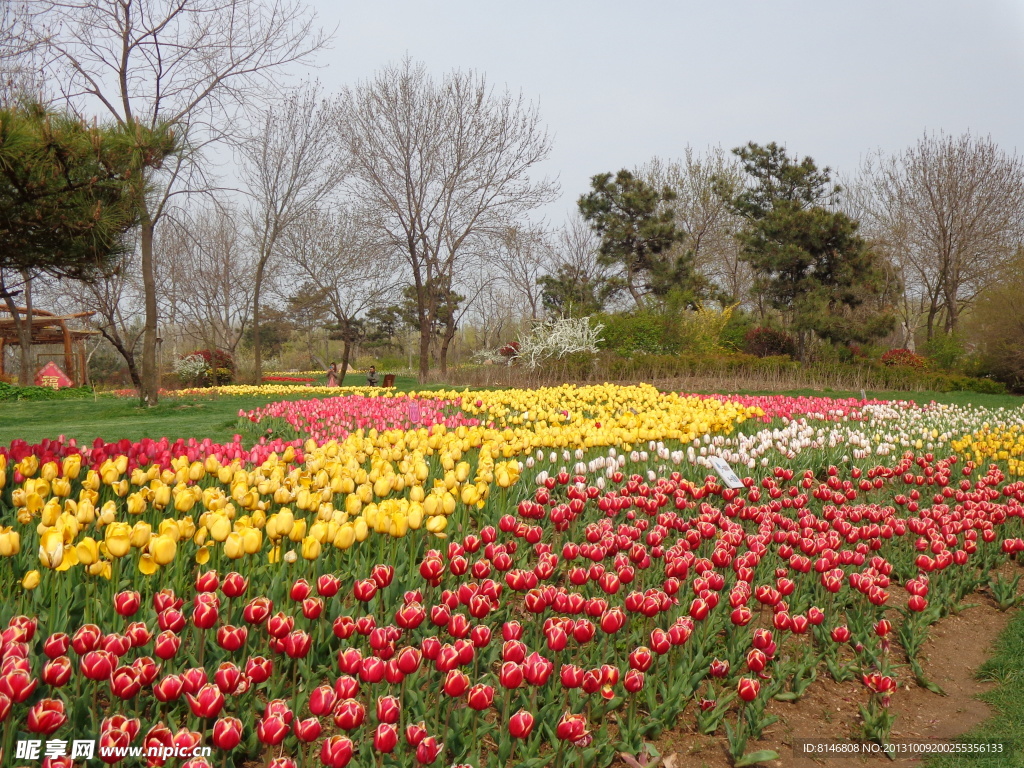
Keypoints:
(46, 716)
(138, 634)
(112, 745)
(207, 702)
(5, 706)
(96, 665)
(171, 620)
(278, 708)
(300, 590)
(322, 700)
(297, 644)
(572, 728)
(194, 679)
(349, 714)
(388, 709)
(634, 680)
(480, 697)
(365, 589)
(520, 725)
(116, 644)
(280, 625)
(512, 630)
(258, 669)
(57, 672)
(428, 750)
(344, 626)
(258, 611)
(382, 575)
(231, 638)
(208, 581)
(125, 683)
(127, 603)
(455, 683)
(307, 730)
(166, 599)
(169, 688)
(415, 733)
(327, 585)
(409, 660)
(748, 688)
(841, 634)
(234, 585)
(336, 752)
(641, 658)
(166, 645)
(719, 668)
(227, 733)
(385, 738)
(56, 645)
(371, 670)
(271, 730)
(227, 677)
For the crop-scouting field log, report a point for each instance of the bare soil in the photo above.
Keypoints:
(955, 649)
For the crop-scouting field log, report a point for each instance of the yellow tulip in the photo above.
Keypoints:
(220, 528)
(31, 580)
(10, 542)
(51, 548)
(101, 568)
(252, 540)
(88, 551)
(233, 547)
(141, 534)
(72, 465)
(117, 538)
(298, 531)
(310, 548)
(147, 564)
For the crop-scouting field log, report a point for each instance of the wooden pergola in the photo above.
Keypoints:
(50, 329)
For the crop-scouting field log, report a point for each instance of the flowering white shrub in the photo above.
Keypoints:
(556, 338)
(190, 367)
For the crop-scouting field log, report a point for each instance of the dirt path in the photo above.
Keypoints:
(955, 648)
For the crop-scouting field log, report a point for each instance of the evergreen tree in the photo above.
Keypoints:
(637, 231)
(809, 260)
(69, 191)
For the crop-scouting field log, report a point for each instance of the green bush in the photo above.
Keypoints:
(627, 333)
(945, 350)
(10, 392)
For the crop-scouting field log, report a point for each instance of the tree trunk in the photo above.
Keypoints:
(256, 350)
(449, 335)
(346, 352)
(24, 328)
(129, 357)
(149, 390)
(25, 377)
(424, 352)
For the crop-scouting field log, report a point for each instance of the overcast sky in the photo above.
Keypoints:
(619, 83)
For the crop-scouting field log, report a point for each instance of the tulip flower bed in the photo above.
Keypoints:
(818, 408)
(550, 579)
(335, 418)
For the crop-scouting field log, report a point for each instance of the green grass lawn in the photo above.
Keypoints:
(115, 418)
(217, 417)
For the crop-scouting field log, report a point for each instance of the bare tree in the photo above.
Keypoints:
(439, 165)
(117, 303)
(702, 212)
(213, 275)
(950, 213)
(329, 252)
(522, 254)
(195, 65)
(291, 164)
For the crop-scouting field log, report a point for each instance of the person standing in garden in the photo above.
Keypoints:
(371, 376)
(332, 375)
